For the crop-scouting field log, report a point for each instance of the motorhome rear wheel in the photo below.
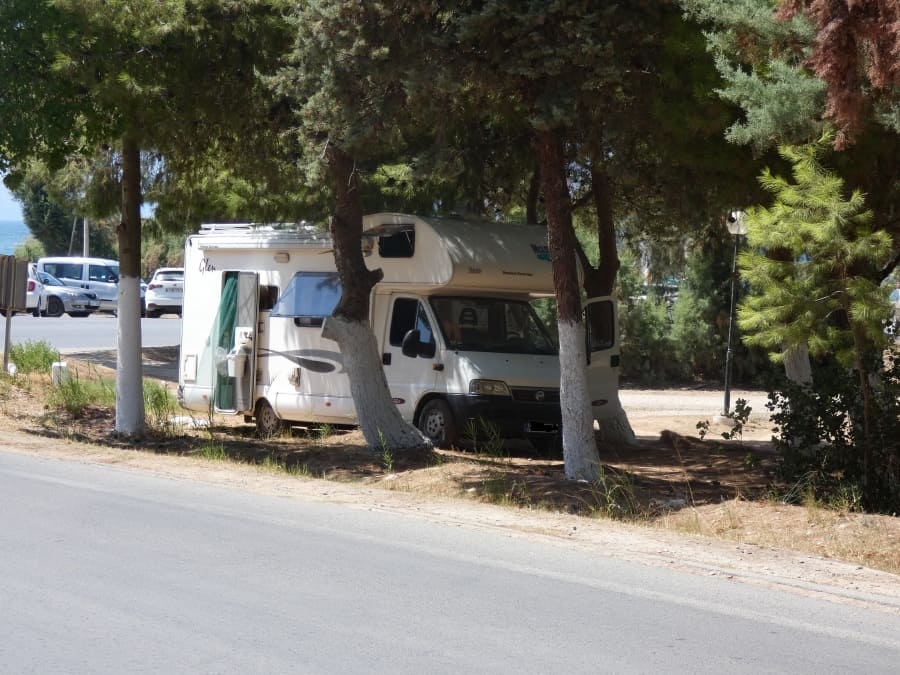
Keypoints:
(268, 424)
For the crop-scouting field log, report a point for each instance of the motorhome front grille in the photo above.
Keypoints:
(535, 394)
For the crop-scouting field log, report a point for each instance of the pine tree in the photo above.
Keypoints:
(810, 266)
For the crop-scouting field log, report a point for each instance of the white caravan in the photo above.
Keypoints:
(462, 347)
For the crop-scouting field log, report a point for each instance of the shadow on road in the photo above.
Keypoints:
(160, 363)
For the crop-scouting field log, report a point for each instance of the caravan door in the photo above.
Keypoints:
(233, 343)
(408, 377)
(603, 355)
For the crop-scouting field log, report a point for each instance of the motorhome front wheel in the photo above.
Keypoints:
(437, 423)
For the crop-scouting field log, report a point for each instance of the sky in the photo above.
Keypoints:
(9, 208)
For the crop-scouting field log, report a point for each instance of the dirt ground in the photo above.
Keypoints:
(712, 506)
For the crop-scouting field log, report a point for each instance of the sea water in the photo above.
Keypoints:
(12, 234)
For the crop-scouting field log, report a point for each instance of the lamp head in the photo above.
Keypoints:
(736, 223)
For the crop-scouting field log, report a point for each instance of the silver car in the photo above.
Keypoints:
(57, 299)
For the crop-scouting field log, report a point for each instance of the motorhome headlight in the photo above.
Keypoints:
(488, 388)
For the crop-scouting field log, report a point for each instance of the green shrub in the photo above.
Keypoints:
(645, 340)
(33, 357)
(821, 440)
(159, 406)
(74, 395)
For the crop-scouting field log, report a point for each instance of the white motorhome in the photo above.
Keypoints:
(462, 346)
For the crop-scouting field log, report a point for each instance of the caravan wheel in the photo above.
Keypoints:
(268, 424)
(437, 423)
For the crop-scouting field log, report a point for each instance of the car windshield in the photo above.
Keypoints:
(492, 325)
(49, 279)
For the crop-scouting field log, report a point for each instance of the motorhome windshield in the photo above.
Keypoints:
(492, 325)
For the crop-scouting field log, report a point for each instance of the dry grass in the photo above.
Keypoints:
(678, 483)
(870, 540)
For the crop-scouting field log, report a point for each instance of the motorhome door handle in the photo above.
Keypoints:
(386, 359)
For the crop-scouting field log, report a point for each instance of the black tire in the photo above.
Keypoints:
(268, 424)
(55, 306)
(436, 421)
(3, 313)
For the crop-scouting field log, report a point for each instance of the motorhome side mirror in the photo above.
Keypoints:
(410, 345)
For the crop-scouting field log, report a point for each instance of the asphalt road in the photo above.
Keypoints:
(98, 331)
(108, 571)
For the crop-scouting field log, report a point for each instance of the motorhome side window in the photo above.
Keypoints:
(397, 245)
(309, 298)
(409, 314)
(600, 326)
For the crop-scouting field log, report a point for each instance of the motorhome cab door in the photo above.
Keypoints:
(408, 376)
(234, 341)
(603, 355)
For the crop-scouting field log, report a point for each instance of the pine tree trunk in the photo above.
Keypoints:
(129, 373)
(580, 455)
(617, 430)
(379, 419)
(602, 281)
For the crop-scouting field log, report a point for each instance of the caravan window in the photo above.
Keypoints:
(398, 245)
(309, 298)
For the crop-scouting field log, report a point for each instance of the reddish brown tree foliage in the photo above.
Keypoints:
(857, 53)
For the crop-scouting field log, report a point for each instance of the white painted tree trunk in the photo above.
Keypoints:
(129, 369)
(797, 367)
(617, 430)
(582, 462)
(379, 419)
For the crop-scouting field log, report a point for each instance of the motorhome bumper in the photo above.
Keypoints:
(509, 417)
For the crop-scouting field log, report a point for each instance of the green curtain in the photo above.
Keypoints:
(224, 395)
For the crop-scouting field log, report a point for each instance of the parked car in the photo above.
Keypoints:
(34, 292)
(56, 298)
(93, 275)
(165, 292)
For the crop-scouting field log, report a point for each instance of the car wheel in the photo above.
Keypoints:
(36, 312)
(268, 424)
(55, 306)
(437, 423)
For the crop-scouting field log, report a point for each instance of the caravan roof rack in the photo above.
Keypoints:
(299, 226)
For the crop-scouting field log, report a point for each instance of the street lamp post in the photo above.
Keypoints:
(736, 227)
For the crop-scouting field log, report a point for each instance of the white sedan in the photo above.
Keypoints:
(165, 292)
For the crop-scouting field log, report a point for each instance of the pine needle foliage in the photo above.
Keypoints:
(811, 262)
